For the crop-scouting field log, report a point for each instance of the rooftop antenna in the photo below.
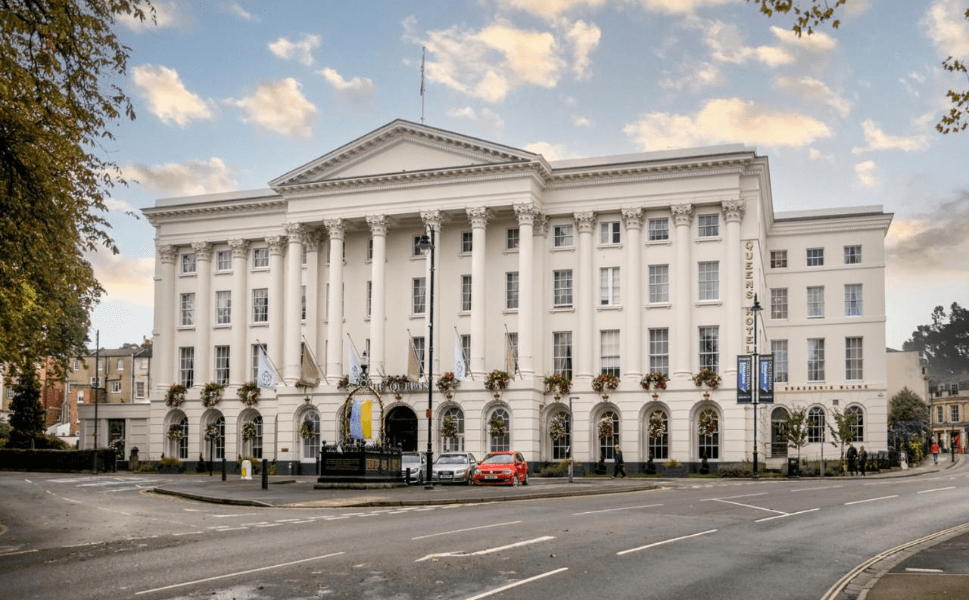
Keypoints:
(423, 51)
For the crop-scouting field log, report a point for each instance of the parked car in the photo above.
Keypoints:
(454, 467)
(502, 467)
(417, 463)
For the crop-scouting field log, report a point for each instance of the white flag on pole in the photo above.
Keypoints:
(354, 371)
(460, 366)
(267, 374)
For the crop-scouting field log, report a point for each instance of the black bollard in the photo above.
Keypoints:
(223, 468)
(265, 474)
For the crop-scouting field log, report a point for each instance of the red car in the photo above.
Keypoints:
(502, 467)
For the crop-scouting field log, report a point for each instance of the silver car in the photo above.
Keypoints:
(454, 467)
(417, 463)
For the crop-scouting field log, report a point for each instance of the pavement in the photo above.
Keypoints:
(934, 567)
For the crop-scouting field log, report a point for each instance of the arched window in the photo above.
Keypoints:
(859, 428)
(220, 441)
(658, 434)
(499, 430)
(309, 433)
(607, 430)
(560, 432)
(452, 441)
(778, 432)
(257, 441)
(708, 434)
(181, 445)
(815, 425)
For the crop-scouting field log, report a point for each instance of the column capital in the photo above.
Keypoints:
(312, 238)
(478, 215)
(527, 212)
(378, 224)
(542, 223)
(432, 218)
(167, 253)
(632, 217)
(733, 210)
(335, 228)
(203, 250)
(682, 214)
(277, 244)
(297, 232)
(240, 248)
(586, 221)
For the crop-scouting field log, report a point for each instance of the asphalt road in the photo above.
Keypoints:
(103, 537)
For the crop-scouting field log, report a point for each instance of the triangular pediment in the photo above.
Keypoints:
(404, 147)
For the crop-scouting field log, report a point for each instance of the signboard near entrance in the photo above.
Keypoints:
(765, 379)
(745, 368)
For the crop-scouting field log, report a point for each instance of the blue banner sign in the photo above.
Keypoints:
(745, 379)
(766, 379)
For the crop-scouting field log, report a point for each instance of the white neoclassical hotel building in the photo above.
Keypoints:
(623, 264)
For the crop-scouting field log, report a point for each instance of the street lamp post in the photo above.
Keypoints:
(570, 437)
(426, 245)
(97, 385)
(755, 389)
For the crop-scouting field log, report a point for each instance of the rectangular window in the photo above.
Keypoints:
(815, 359)
(659, 283)
(562, 353)
(419, 295)
(511, 352)
(223, 260)
(854, 359)
(416, 248)
(511, 291)
(419, 351)
(222, 365)
(260, 258)
(609, 351)
(77, 364)
(815, 302)
(853, 300)
(260, 305)
(120, 364)
(659, 351)
(223, 308)
(512, 238)
(708, 225)
(953, 413)
(852, 255)
(562, 288)
(115, 387)
(188, 310)
(302, 254)
(709, 280)
(465, 293)
(139, 389)
(609, 232)
(466, 350)
(188, 264)
(778, 259)
(710, 348)
(186, 366)
(369, 298)
(609, 286)
(778, 303)
(255, 360)
(659, 230)
(815, 257)
(370, 249)
(939, 415)
(562, 236)
(466, 237)
(779, 349)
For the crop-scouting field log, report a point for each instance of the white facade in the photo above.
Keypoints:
(629, 264)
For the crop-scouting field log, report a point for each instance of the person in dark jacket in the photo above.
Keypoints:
(852, 457)
(620, 467)
(863, 460)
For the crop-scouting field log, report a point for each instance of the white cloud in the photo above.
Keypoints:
(694, 77)
(581, 121)
(184, 179)
(681, 7)
(485, 115)
(727, 45)
(549, 151)
(947, 28)
(167, 15)
(124, 278)
(116, 205)
(552, 8)
(726, 120)
(811, 88)
(167, 97)
(235, 9)
(867, 174)
(818, 41)
(302, 50)
(279, 107)
(879, 140)
(584, 38)
(357, 90)
(815, 155)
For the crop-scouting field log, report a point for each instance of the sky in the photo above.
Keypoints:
(230, 94)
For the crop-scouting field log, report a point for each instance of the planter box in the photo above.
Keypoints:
(170, 470)
(674, 471)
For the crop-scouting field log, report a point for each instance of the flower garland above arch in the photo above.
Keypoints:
(558, 427)
(708, 377)
(447, 382)
(557, 384)
(249, 393)
(605, 427)
(656, 380)
(497, 380)
(449, 427)
(605, 381)
(707, 423)
(176, 433)
(212, 394)
(175, 395)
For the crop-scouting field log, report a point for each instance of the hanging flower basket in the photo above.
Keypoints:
(307, 431)
(447, 382)
(176, 433)
(175, 395)
(249, 393)
(604, 382)
(655, 380)
(212, 432)
(707, 423)
(212, 394)
(497, 380)
(557, 384)
(657, 428)
(248, 431)
(497, 427)
(344, 382)
(557, 428)
(605, 427)
(449, 427)
(708, 378)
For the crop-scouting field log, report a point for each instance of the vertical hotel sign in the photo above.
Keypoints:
(749, 293)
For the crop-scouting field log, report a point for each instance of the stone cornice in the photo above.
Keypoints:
(203, 211)
(611, 174)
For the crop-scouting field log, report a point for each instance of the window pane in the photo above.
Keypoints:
(609, 286)
(659, 230)
(853, 300)
(418, 303)
(709, 283)
(659, 351)
(609, 232)
(609, 348)
(562, 236)
(852, 255)
(778, 303)
(562, 353)
(815, 302)
(465, 292)
(709, 225)
(512, 238)
(778, 259)
(562, 288)
(815, 257)
(779, 349)
(260, 305)
(188, 310)
(659, 283)
(854, 359)
(710, 348)
(223, 307)
(511, 291)
(815, 364)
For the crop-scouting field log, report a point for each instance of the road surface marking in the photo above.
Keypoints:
(189, 533)
(936, 490)
(800, 512)
(591, 512)
(121, 512)
(17, 552)
(654, 544)
(814, 489)
(870, 500)
(238, 573)
(516, 584)
(421, 537)
(914, 570)
(732, 497)
(234, 515)
(544, 538)
(74, 501)
(746, 505)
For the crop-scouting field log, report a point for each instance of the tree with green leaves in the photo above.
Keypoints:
(815, 13)
(843, 430)
(796, 428)
(27, 420)
(908, 419)
(945, 342)
(56, 107)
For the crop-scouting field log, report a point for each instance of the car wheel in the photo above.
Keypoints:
(515, 482)
(420, 479)
(525, 481)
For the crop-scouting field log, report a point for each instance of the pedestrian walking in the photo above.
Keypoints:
(852, 457)
(620, 467)
(935, 452)
(863, 460)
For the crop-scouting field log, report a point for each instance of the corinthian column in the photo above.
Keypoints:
(378, 269)
(293, 322)
(682, 302)
(633, 287)
(335, 229)
(203, 311)
(585, 296)
(733, 214)
(277, 312)
(527, 212)
(479, 220)
(238, 313)
(165, 316)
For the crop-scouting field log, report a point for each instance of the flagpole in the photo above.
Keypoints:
(423, 53)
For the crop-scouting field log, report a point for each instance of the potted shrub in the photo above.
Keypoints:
(175, 395)
(604, 382)
(211, 394)
(170, 464)
(249, 393)
(557, 384)
(447, 382)
(674, 468)
(497, 381)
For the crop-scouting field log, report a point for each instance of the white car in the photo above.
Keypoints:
(454, 467)
(417, 463)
